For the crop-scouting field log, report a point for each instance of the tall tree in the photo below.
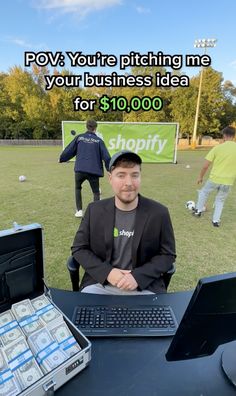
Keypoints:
(229, 115)
(184, 101)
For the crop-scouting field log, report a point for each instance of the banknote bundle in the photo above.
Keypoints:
(45, 310)
(26, 317)
(38, 352)
(55, 324)
(9, 328)
(22, 363)
(61, 333)
(48, 353)
(8, 383)
(34, 340)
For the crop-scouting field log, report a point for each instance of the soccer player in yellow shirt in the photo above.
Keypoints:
(222, 159)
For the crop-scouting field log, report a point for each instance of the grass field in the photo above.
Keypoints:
(47, 197)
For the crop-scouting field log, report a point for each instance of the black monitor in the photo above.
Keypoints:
(209, 321)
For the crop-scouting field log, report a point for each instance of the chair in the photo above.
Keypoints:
(73, 268)
(168, 275)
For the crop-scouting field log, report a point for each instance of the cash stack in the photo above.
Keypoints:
(36, 339)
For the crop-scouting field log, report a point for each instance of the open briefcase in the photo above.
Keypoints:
(24, 369)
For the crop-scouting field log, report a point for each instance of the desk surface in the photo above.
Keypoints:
(137, 366)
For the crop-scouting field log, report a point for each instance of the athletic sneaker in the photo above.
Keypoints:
(197, 213)
(79, 213)
(216, 223)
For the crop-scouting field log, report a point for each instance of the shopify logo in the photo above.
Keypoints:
(152, 143)
(117, 233)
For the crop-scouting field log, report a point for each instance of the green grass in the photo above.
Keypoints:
(47, 197)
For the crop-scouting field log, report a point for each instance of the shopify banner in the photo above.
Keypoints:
(154, 142)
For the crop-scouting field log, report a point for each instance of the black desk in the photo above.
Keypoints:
(137, 366)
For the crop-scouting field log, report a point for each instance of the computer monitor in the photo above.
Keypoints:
(209, 321)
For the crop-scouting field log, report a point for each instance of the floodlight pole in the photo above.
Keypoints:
(203, 43)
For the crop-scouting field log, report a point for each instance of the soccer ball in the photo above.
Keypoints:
(22, 178)
(190, 205)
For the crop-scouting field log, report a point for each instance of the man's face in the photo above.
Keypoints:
(125, 182)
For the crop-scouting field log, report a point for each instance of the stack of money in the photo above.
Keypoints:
(49, 343)
(62, 334)
(26, 317)
(45, 310)
(55, 324)
(47, 351)
(9, 328)
(8, 383)
(22, 363)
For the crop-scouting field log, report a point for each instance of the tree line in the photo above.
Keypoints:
(29, 111)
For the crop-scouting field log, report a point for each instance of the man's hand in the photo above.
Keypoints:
(203, 171)
(116, 275)
(199, 180)
(127, 282)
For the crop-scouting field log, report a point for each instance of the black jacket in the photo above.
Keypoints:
(153, 250)
(90, 151)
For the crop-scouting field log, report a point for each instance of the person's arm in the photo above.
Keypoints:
(161, 262)
(98, 269)
(203, 171)
(69, 151)
(105, 155)
(81, 250)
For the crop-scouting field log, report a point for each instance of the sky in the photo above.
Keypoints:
(116, 27)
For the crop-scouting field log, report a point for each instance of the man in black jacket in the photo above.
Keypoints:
(126, 243)
(90, 151)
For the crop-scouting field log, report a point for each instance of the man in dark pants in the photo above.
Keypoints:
(126, 243)
(90, 151)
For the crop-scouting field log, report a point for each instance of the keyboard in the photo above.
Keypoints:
(132, 321)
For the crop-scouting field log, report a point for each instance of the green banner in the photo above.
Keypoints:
(154, 142)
